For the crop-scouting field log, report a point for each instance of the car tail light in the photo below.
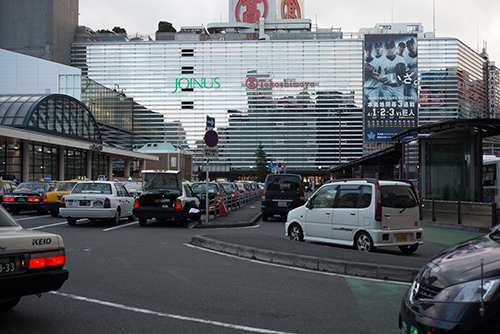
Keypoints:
(301, 193)
(8, 199)
(107, 203)
(62, 204)
(47, 259)
(136, 203)
(264, 192)
(33, 199)
(45, 200)
(232, 195)
(178, 204)
(378, 207)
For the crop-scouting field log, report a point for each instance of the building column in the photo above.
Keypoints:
(25, 151)
(88, 170)
(110, 167)
(61, 155)
(126, 167)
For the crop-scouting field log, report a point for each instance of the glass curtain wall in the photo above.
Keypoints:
(43, 162)
(10, 158)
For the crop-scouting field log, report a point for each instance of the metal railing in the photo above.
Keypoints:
(460, 212)
(234, 203)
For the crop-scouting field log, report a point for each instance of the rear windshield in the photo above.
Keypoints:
(65, 186)
(283, 182)
(100, 188)
(31, 187)
(202, 187)
(398, 197)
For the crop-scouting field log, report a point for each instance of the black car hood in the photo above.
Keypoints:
(462, 262)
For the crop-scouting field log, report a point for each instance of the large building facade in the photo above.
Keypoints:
(299, 93)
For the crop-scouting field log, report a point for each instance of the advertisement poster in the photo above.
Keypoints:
(390, 85)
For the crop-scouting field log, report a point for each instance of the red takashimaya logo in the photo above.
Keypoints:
(252, 14)
(290, 9)
(253, 83)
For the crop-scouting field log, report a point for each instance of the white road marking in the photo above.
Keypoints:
(298, 268)
(44, 226)
(28, 218)
(168, 315)
(119, 226)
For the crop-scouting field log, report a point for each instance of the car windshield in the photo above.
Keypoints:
(202, 187)
(398, 197)
(65, 186)
(34, 187)
(133, 186)
(100, 188)
(6, 219)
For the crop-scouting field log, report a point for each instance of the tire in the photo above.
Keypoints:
(9, 303)
(295, 232)
(71, 221)
(131, 218)
(116, 219)
(409, 249)
(265, 217)
(54, 213)
(143, 221)
(364, 242)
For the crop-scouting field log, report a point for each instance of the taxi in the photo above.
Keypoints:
(27, 196)
(52, 199)
(31, 262)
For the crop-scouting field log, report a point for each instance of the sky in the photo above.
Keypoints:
(471, 21)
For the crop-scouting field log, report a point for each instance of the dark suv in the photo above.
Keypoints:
(281, 193)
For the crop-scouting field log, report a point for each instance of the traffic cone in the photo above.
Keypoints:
(222, 210)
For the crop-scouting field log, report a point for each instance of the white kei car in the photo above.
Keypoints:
(97, 200)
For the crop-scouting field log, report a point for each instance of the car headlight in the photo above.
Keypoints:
(468, 292)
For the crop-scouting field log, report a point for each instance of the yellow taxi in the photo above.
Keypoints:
(52, 199)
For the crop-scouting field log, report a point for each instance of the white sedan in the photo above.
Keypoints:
(97, 200)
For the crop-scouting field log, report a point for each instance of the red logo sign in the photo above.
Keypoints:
(252, 14)
(290, 9)
(253, 83)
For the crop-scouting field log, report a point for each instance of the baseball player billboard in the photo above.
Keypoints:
(390, 85)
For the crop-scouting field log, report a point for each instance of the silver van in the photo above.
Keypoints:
(364, 213)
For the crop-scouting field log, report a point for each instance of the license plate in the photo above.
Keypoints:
(21, 199)
(401, 237)
(7, 265)
(282, 204)
(85, 203)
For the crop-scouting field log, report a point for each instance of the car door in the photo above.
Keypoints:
(125, 201)
(346, 212)
(319, 213)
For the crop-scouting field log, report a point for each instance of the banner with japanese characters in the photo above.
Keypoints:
(390, 85)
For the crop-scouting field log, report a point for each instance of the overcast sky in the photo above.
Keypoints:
(471, 21)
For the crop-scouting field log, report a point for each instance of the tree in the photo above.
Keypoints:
(164, 26)
(119, 30)
(261, 170)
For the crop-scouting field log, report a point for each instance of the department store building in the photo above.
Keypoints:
(299, 90)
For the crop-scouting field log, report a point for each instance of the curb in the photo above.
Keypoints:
(251, 222)
(383, 272)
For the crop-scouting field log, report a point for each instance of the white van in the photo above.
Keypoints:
(364, 213)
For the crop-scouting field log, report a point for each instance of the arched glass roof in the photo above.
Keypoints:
(56, 114)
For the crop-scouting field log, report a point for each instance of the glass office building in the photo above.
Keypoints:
(302, 98)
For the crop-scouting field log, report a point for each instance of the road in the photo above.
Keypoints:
(130, 279)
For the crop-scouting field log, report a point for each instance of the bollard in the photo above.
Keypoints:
(459, 208)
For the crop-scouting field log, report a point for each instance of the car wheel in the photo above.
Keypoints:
(71, 221)
(295, 232)
(9, 303)
(364, 242)
(131, 218)
(409, 249)
(54, 213)
(116, 219)
(15, 211)
(143, 221)
(265, 217)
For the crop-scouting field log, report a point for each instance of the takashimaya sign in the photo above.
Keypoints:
(191, 83)
(253, 83)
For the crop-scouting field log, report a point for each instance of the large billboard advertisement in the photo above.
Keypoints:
(390, 85)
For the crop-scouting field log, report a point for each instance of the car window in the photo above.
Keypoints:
(120, 191)
(64, 186)
(366, 196)
(103, 188)
(187, 190)
(325, 198)
(31, 187)
(398, 197)
(6, 219)
(348, 197)
(284, 183)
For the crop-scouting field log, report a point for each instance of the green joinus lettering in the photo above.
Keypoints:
(191, 83)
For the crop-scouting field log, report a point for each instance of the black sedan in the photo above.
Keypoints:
(458, 291)
(26, 196)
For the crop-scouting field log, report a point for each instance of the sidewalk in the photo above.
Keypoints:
(246, 215)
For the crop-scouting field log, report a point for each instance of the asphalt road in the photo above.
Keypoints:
(130, 279)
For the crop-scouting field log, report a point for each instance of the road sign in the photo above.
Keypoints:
(210, 123)
(211, 138)
(211, 152)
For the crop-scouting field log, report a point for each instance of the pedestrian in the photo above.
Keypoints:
(190, 212)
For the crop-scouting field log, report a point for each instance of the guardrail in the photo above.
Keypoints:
(234, 203)
(460, 212)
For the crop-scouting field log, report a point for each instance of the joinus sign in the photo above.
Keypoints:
(191, 83)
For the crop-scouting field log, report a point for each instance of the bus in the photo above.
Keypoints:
(491, 173)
